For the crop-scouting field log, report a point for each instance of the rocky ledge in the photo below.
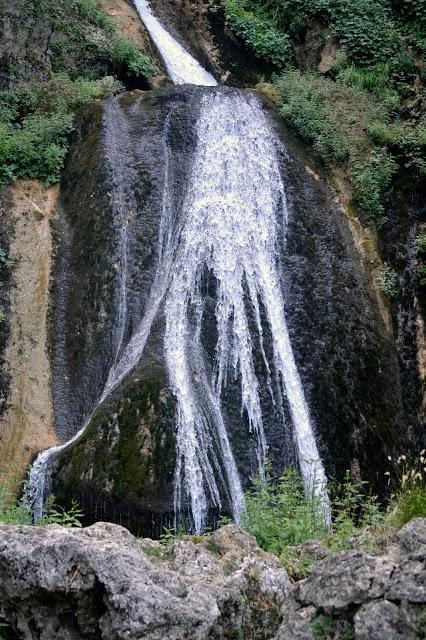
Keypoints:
(103, 583)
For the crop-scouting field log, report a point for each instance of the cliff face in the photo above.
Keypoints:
(37, 39)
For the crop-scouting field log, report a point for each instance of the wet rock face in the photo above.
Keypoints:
(125, 154)
(406, 218)
(346, 358)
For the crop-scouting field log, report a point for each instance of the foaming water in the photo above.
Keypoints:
(180, 65)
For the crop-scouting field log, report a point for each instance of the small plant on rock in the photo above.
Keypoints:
(408, 479)
(387, 282)
(321, 627)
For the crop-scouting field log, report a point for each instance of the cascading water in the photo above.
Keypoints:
(181, 66)
(235, 202)
(228, 227)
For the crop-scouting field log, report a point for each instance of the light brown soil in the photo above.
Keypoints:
(27, 425)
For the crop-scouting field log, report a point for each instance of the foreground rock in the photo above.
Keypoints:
(354, 595)
(101, 583)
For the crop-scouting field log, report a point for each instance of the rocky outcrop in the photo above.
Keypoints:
(355, 595)
(37, 39)
(101, 583)
(115, 181)
(130, 26)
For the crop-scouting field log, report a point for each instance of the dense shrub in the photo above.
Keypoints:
(124, 52)
(280, 517)
(371, 180)
(267, 42)
(35, 121)
(365, 29)
(301, 104)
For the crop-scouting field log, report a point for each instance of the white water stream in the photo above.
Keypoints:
(235, 202)
(180, 65)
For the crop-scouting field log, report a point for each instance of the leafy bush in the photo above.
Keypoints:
(279, 515)
(354, 508)
(37, 119)
(387, 281)
(267, 42)
(301, 104)
(371, 180)
(365, 29)
(124, 52)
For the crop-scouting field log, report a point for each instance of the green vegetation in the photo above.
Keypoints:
(366, 112)
(409, 497)
(420, 623)
(36, 115)
(387, 282)
(301, 104)
(17, 513)
(420, 246)
(280, 517)
(258, 33)
(321, 626)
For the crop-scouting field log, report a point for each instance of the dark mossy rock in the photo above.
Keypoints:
(6, 232)
(125, 153)
(122, 469)
(406, 215)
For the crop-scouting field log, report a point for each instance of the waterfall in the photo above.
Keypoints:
(180, 65)
(233, 212)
